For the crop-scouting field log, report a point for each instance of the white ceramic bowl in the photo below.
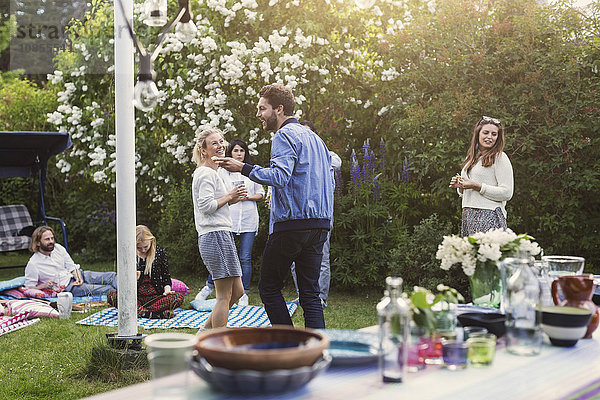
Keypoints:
(564, 336)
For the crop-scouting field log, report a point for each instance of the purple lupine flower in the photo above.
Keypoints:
(355, 173)
(368, 167)
(339, 182)
(405, 176)
(376, 192)
(382, 154)
(101, 213)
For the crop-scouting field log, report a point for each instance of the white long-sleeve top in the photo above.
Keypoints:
(58, 267)
(497, 185)
(207, 187)
(244, 214)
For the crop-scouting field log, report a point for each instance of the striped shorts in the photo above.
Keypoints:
(219, 254)
(481, 220)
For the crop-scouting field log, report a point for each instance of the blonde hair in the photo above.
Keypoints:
(201, 144)
(143, 234)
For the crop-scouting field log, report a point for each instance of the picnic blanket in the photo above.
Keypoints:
(238, 316)
(12, 323)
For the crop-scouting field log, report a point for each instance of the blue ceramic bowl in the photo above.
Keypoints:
(250, 382)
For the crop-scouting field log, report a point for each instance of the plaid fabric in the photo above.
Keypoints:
(12, 220)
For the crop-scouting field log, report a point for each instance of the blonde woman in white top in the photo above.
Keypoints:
(211, 215)
(486, 181)
(244, 216)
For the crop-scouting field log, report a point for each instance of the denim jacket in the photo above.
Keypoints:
(301, 175)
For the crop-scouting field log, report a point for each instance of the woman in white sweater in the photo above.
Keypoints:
(213, 223)
(486, 180)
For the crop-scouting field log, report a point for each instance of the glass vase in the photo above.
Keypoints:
(486, 285)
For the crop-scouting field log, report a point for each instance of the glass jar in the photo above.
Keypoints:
(394, 330)
(522, 295)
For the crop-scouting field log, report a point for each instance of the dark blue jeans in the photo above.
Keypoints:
(305, 248)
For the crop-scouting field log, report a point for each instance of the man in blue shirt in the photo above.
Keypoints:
(301, 175)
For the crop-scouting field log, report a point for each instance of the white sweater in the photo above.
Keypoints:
(207, 187)
(497, 185)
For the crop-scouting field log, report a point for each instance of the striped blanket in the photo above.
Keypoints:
(238, 316)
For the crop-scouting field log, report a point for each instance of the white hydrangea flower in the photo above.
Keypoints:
(99, 176)
(389, 74)
(277, 41)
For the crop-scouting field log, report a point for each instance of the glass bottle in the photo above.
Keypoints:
(394, 317)
(522, 306)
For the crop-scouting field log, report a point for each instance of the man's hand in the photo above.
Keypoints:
(47, 285)
(78, 278)
(229, 163)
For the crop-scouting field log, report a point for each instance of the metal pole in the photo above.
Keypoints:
(125, 130)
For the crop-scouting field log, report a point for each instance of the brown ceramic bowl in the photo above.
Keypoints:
(262, 349)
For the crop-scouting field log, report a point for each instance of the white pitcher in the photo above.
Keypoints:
(65, 305)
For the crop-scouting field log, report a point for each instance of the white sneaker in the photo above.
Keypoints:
(204, 293)
(243, 301)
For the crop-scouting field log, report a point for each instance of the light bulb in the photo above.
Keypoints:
(155, 12)
(364, 4)
(145, 96)
(186, 31)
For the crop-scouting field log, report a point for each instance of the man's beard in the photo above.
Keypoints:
(271, 123)
(48, 248)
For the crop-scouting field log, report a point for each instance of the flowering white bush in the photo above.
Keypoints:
(481, 247)
(312, 47)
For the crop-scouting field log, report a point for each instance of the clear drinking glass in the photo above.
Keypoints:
(482, 349)
(455, 354)
(169, 353)
(558, 266)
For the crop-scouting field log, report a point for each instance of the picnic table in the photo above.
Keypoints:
(557, 373)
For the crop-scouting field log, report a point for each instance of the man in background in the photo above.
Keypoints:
(52, 268)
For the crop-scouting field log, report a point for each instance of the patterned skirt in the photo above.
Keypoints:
(481, 220)
(148, 300)
(219, 254)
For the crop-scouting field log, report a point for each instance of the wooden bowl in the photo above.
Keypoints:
(262, 349)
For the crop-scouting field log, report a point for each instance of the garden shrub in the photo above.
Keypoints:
(419, 75)
(414, 257)
(24, 106)
(177, 232)
(88, 211)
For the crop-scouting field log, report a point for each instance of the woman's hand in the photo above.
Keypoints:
(167, 290)
(237, 193)
(467, 183)
(456, 182)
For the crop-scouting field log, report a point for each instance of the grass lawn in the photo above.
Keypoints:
(52, 359)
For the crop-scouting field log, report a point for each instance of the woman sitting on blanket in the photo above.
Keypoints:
(155, 299)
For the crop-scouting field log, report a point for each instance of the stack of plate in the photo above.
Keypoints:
(260, 360)
(248, 382)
